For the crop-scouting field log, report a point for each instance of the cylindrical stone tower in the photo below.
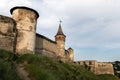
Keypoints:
(26, 19)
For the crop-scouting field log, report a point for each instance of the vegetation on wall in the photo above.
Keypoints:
(40, 67)
(116, 66)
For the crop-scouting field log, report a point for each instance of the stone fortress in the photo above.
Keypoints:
(18, 34)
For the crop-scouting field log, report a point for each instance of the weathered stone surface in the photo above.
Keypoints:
(97, 67)
(70, 54)
(45, 46)
(105, 68)
(51, 48)
(7, 33)
(26, 20)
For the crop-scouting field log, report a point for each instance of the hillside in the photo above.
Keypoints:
(39, 67)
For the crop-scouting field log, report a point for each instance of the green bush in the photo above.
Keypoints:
(108, 77)
(7, 69)
(5, 55)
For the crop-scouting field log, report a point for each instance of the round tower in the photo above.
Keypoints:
(60, 40)
(71, 54)
(26, 19)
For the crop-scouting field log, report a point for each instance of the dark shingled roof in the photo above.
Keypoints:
(23, 7)
(60, 32)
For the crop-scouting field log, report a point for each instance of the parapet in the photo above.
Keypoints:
(97, 67)
(7, 33)
(7, 25)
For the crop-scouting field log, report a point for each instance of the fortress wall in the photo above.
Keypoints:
(45, 46)
(89, 64)
(39, 44)
(26, 20)
(97, 67)
(7, 33)
(105, 68)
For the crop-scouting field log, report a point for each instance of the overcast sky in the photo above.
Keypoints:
(92, 27)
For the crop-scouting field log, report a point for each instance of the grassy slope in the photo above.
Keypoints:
(7, 71)
(41, 67)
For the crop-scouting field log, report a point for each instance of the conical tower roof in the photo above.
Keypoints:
(60, 32)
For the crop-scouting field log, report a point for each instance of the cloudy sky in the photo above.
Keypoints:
(92, 27)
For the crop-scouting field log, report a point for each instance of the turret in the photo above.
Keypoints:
(26, 19)
(60, 40)
(71, 54)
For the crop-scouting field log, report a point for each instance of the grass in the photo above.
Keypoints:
(7, 68)
(107, 77)
(41, 67)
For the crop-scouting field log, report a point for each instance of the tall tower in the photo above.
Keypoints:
(26, 19)
(60, 39)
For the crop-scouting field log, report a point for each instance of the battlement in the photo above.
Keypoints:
(97, 67)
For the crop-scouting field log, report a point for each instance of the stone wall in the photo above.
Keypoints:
(97, 67)
(50, 48)
(105, 68)
(7, 33)
(45, 46)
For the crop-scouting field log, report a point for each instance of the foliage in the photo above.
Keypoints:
(7, 68)
(116, 66)
(108, 77)
(41, 67)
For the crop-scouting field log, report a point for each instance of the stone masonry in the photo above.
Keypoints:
(97, 67)
(26, 19)
(7, 33)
